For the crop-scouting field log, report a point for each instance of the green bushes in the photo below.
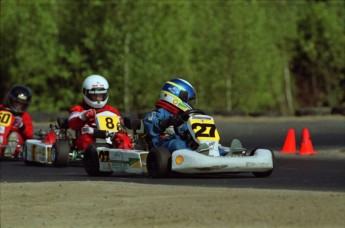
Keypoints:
(240, 55)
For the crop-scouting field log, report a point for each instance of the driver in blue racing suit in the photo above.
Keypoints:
(177, 96)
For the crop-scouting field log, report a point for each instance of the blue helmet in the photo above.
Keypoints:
(179, 93)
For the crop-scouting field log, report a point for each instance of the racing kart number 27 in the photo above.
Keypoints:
(204, 129)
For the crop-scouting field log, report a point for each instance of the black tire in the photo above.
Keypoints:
(91, 160)
(60, 153)
(158, 162)
(25, 157)
(266, 173)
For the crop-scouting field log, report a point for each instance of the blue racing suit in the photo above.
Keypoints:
(163, 137)
(166, 137)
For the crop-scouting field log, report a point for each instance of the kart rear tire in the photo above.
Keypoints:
(158, 162)
(91, 160)
(60, 153)
(266, 173)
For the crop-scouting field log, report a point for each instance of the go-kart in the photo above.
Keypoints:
(54, 147)
(10, 141)
(119, 148)
(203, 156)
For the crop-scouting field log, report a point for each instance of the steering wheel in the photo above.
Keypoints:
(185, 117)
(186, 114)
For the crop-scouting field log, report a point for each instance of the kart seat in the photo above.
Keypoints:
(134, 124)
(62, 122)
(137, 126)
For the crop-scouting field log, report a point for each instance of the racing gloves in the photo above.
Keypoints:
(88, 115)
(18, 122)
(174, 120)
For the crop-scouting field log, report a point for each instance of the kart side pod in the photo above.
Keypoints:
(186, 161)
(103, 161)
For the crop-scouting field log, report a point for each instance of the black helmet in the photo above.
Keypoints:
(19, 98)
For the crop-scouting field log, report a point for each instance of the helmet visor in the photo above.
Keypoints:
(18, 106)
(192, 102)
(183, 95)
(97, 94)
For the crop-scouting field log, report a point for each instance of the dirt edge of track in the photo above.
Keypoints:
(105, 204)
(118, 204)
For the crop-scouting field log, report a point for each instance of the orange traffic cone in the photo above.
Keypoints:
(290, 142)
(306, 144)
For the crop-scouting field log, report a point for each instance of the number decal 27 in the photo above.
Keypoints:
(205, 131)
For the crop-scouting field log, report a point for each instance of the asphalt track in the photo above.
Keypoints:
(292, 171)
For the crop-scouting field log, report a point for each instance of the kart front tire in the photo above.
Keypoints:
(91, 160)
(60, 153)
(158, 162)
(266, 173)
(25, 157)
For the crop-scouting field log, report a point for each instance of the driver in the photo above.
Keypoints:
(18, 101)
(177, 96)
(82, 116)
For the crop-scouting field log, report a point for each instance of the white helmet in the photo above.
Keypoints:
(95, 85)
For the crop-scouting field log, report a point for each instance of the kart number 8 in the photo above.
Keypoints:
(108, 122)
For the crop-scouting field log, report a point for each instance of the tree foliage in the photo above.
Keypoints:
(237, 54)
(318, 64)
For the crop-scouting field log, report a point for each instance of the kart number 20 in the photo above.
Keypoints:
(5, 118)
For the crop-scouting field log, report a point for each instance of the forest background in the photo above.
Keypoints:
(241, 55)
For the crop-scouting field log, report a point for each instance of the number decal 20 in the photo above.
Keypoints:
(5, 118)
